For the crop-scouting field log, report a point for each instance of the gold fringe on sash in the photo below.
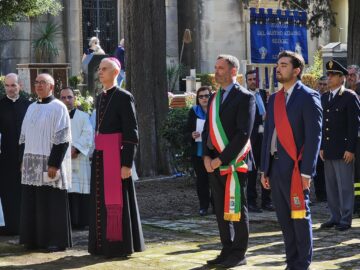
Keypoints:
(232, 216)
(298, 214)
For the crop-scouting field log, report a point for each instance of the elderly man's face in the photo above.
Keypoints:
(67, 96)
(12, 88)
(43, 87)
(107, 73)
(352, 78)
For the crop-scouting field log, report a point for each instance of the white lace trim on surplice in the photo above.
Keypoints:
(35, 165)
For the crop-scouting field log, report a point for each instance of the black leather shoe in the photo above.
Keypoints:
(218, 260)
(342, 227)
(203, 212)
(233, 261)
(328, 225)
(54, 249)
(268, 207)
(254, 209)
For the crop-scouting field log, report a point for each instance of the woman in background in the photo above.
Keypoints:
(196, 118)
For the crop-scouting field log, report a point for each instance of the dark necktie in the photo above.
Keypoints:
(222, 92)
(331, 97)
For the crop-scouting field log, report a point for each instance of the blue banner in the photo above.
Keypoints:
(273, 32)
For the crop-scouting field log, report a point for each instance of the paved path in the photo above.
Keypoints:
(188, 242)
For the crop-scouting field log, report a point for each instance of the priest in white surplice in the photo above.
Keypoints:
(82, 143)
(46, 171)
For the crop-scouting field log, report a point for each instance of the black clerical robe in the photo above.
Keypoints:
(11, 117)
(45, 217)
(115, 113)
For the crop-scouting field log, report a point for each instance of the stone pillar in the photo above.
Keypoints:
(73, 35)
(222, 30)
(172, 48)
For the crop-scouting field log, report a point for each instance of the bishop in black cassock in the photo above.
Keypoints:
(114, 230)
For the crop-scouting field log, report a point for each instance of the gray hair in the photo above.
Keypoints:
(231, 60)
(12, 75)
(113, 63)
(94, 40)
(356, 67)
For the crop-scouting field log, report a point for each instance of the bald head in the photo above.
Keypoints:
(108, 71)
(44, 85)
(113, 62)
(47, 77)
(12, 87)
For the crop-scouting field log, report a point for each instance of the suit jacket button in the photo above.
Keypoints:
(327, 138)
(328, 110)
(327, 120)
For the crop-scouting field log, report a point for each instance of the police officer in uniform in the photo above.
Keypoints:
(341, 111)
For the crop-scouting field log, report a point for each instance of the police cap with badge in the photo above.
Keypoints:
(335, 67)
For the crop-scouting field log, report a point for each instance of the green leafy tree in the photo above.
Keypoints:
(320, 15)
(12, 11)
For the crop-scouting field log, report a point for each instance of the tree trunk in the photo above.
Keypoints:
(353, 43)
(145, 58)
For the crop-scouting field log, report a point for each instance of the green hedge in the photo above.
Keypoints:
(173, 131)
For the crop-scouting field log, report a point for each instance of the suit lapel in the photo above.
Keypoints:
(293, 95)
(335, 99)
(228, 99)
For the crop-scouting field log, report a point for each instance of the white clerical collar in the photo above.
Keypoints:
(13, 99)
(105, 90)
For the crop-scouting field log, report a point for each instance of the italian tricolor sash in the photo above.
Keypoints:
(286, 139)
(232, 204)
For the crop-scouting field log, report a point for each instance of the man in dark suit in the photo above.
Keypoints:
(227, 132)
(353, 83)
(288, 158)
(319, 178)
(340, 131)
(256, 141)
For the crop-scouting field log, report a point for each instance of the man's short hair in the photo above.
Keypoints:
(114, 62)
(68, 88)
(323, 78)
(231, 60)
(13, 75)
(297, 60)
(356, 67)
(49, 78)
(253, 71)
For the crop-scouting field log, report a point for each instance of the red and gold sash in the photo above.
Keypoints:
(232, 204)
(286, 139)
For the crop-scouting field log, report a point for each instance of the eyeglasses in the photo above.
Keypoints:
(203, 96)
(66, 97)
(40, 82)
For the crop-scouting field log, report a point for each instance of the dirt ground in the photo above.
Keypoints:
(172, 198)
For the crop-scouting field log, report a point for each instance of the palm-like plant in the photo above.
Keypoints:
(45, 45)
